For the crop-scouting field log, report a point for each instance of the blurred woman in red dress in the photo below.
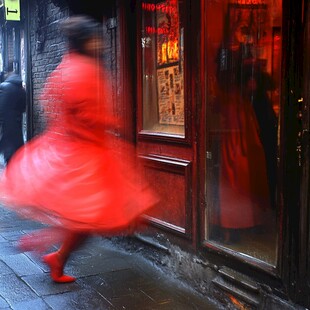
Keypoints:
(244, 198)
(76, 176)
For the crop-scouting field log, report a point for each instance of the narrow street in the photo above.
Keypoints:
(193, 114)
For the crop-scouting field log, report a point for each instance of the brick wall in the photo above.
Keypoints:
(47, 47)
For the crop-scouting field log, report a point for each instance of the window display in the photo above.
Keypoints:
(243, 61)
(162, 67)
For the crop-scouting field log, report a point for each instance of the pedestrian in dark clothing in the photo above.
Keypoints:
(12, 107)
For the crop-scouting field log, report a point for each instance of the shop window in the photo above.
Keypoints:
(243, 57)
(162, 50)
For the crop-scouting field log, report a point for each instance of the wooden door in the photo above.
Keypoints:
(165, 108)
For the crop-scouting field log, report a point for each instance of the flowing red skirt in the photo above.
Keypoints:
(243, 185)
(77, 185)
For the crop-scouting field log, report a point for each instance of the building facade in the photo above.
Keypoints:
(214, 94)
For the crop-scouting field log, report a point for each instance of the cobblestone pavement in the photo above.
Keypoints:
(107, 278)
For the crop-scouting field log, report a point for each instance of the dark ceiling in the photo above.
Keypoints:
(94, 8)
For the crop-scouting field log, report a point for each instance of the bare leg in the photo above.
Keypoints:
(57, 260)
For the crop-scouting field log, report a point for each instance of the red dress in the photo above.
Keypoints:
(243, 186)
(77, 174)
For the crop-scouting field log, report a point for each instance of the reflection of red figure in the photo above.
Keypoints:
(243, 188)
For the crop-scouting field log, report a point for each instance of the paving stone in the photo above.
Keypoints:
(81, 300)
(107, 278)
(21, 264)
(12, 224)
(179, 305)
(135, 300)
(81, 267)
(4, 269)
(124, 279)
(81, 254)
(43, 285)
(184, 302)
(35, 304)
(3, 303)
(12, 235)
(123, 292)
(129, 293)
(37, 259)
(133, 285)
(29, 229)
(92, 247)
(7, 248)
(14, 290)
(158, 294)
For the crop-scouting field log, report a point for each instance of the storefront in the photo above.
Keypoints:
(222, 127)
(214, 95)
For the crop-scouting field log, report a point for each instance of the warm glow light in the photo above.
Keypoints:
(166, 26)
(160, 7)
(164, 53)
(173, 50)
(248, 1)
(237, 303)
(153, 30)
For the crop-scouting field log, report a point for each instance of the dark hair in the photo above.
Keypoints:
(79, 29)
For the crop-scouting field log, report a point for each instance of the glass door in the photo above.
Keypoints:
(243, 57)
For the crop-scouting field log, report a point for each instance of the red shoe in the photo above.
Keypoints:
(56, 268)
